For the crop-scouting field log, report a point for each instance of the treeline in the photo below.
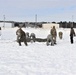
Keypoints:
(67, 24)
(63, 24)
(39, 24)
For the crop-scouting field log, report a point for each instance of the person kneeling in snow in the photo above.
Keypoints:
(60, 35)
(49, 39)
(21, 36)
(33, 37)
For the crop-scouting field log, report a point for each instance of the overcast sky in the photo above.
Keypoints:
(46, 10)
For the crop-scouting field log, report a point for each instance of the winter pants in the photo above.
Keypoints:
(71, 39)
(23, 39)
(54, 38)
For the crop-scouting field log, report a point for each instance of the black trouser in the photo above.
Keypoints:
(71, 39)
(22, 39)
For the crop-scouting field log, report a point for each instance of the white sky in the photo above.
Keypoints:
(46, 10)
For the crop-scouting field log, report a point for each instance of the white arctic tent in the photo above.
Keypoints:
(6, 25)
(49, 25)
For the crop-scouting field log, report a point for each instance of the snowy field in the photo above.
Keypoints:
(37, 58)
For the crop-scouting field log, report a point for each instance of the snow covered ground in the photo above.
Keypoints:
(37, 58)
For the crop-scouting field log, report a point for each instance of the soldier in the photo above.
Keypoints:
(49, 39)
(54, 34)
(60, 35)
(21, 36)
(32, 36)
(0, 31)
(72, 33)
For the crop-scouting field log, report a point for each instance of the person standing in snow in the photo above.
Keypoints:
(0, 31)
(53, 32)
(21, 36)
(72, 34)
